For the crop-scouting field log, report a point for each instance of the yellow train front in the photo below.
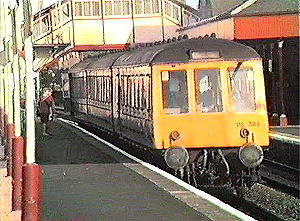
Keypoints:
(201, 101)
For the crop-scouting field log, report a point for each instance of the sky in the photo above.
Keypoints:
(193, 3)
(46, 3)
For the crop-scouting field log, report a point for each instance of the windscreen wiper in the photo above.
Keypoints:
(236, 70)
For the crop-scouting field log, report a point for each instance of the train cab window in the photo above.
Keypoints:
(242, 89)
(175, 93)
(208, 91)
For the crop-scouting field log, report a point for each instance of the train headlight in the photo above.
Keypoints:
(174, 135)
(176, 157)
(244, 133)
(251, 155)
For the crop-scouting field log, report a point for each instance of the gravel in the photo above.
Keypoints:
(278, 203)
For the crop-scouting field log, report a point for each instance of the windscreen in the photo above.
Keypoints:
(208, 91)
(175, 94)
(242, 89)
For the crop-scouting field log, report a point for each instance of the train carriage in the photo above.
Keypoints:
(201, 101)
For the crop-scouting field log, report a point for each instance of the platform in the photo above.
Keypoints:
(293, 130)
(84, 179)
(289, 134)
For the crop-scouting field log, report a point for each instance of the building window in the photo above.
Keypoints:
(126, 7)
(168, 8)
(138, 6)
(147, 6)
(78, 9)
(156, 6)
(87, 9)
(176, 12)
(96, 9)
(36, 29)
(117, 7)
(65, 12)
(108, 7)
(55, 17)
(45, 24)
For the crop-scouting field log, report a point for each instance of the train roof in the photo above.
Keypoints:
(174, 52)
(96, 62)
(83, 64)
(103, 62)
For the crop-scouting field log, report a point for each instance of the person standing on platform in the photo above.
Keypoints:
(46, 104)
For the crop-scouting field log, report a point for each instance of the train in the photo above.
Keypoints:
(199, 102)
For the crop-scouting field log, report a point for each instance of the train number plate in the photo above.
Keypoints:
(248, 124)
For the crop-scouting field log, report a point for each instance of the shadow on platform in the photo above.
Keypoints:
(67, 145)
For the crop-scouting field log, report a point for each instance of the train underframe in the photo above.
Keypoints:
(220, 167)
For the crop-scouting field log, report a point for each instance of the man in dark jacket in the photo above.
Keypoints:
(46, 104)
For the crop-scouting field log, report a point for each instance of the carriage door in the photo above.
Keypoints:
(116, 100)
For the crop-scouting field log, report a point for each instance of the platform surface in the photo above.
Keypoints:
(85, 180)
(288, 130)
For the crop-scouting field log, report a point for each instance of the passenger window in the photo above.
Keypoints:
(242, 89)
(175, 94)
(208, 91)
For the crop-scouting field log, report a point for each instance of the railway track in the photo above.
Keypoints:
(248, 207)
(280, 176)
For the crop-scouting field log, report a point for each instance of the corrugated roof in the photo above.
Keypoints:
(262, 7)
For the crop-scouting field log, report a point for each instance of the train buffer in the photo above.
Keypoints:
(85, 179)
